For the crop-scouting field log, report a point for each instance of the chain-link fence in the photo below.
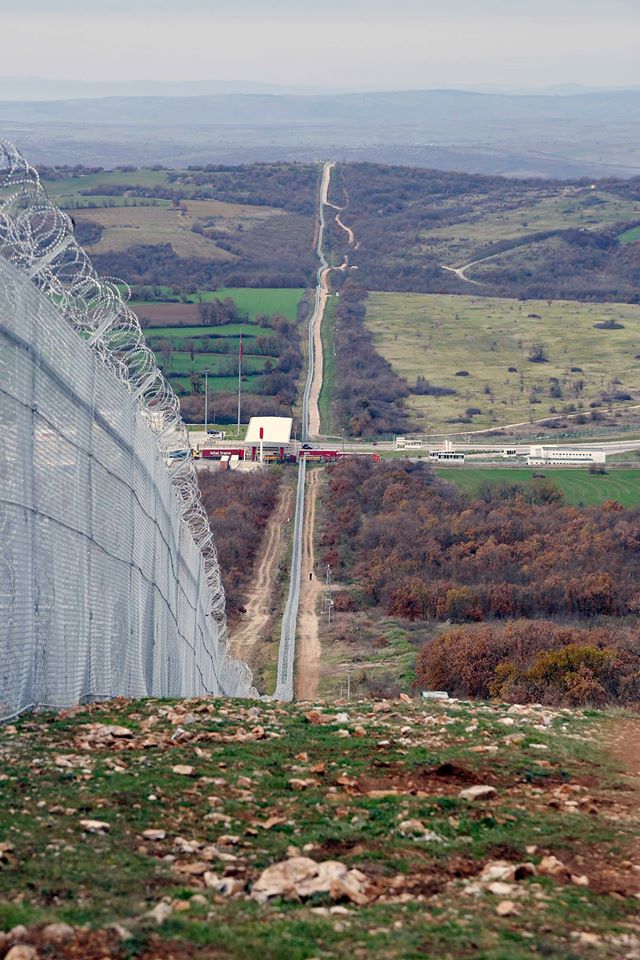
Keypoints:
(109, 583)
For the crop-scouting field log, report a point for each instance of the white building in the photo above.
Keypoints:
(540, 455)
(446, 455)
(268, 437)
(404, 443)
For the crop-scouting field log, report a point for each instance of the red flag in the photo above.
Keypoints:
(240, 348)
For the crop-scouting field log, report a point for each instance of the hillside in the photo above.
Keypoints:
(526, 238)
(210, 829)
(472, 360)
(450, 129)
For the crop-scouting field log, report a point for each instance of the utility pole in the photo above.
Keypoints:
(206, 400)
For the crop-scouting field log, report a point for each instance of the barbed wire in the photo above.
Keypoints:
(38, 238)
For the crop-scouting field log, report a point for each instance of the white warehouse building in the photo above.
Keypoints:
(540, 455)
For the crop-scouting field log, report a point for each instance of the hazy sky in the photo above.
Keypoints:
(364, 44)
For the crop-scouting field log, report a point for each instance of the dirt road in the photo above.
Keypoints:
(256, 623)
(461, 272)
(321, 302)
(308, 642)
(322, 292)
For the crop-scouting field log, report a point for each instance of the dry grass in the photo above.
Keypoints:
(436, 336)
(131, 226)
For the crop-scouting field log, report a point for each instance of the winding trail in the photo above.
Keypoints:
(258, 615)
(308, 642)
(461, 272)
(322, 293)
(311, 410)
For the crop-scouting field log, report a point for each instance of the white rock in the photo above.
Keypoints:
(154, 834)
(122, 932)
(506, 908)
(111, 730)
(552, 867)
(301, 877)
(498, 870)
(55, 932)
(183, 770)
(480, 791)
(95, 826)
(161, 912)
(22, 951)
(417, 829)
(500, 889)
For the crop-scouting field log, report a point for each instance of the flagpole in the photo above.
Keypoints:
(239, 381)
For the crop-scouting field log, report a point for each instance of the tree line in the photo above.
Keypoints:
(420, 550)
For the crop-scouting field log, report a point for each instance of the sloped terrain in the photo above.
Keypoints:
(408, 829)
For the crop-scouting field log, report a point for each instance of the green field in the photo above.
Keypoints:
(578, 486)
(252, 300)
(71, 186)
(181, 362)
(328, 369)
(577, 207)
(223, 331)
(630, 236)
(436, 336)
(178, 365)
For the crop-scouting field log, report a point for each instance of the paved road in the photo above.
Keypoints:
(287, 650)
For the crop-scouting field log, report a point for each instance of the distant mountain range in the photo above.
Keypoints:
(560, 135)
(43, 88)
(46, 88)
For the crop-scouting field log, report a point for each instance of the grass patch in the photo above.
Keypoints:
(579, 487)
(328, 369)
(630, 236)
(419, 755)
(435, 336)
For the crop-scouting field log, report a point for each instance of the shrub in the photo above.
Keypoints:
(534, 661)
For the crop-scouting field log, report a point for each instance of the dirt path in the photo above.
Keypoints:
(461, 271)
(322, 295)
(348, 230)
(256, 622)
(625, 746)
(318, 369)
(308, 642)
(624, 741)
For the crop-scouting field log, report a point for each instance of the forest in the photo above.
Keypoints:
(547, 239)
(556, 239)
(418, 549)
(238, 506)
(368, 395)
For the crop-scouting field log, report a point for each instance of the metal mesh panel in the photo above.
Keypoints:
(109, 582)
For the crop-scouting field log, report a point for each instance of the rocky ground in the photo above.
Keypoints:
(395, 829)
